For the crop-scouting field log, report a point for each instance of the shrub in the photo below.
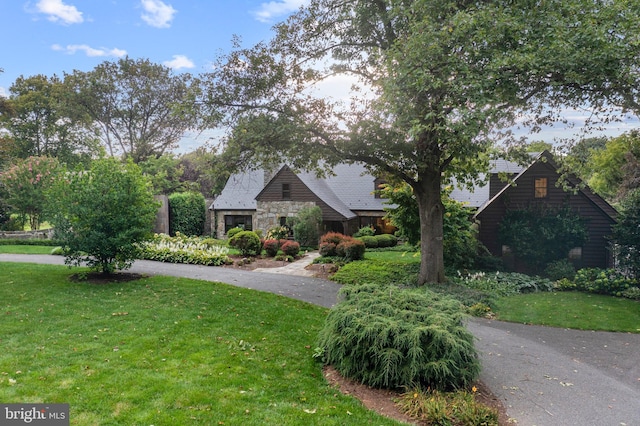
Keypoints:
(369, 241)
(351, 249)
(306, 226)
(291, 248)
(503, 283)
(385, 336)
(247, 242)
(386, 240)
(327, 249)
(626, 235)
(182, 249)
(102, 214)
(271, 247)
(277, 233)
(187, 212)
(233, 231)
(603, 281)
(365, 231)
(560, 269)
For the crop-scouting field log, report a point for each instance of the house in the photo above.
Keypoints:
(258, 199)
(535, 185)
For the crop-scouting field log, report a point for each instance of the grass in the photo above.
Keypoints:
(20, 249)
(164, 350)
(576, 310)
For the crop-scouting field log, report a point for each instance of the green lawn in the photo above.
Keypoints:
(164, 351)
(26, 249)
(572, 310)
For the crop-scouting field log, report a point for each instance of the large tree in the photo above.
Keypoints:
(142, 108)
(40, 122)
(437, 78)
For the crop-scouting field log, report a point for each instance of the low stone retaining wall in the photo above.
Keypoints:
(45, 234)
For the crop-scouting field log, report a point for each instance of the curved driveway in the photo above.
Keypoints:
(544, 376)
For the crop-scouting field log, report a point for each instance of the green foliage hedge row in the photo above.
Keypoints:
(187, 212)
(389, 337)
(602, 281)
(379, 241)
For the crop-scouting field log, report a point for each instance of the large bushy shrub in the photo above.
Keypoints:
(101, 215)
(187, 213)
(291, 248)
(386, 240)
(351, 249)
(271, 247)
(247, 242)
(389, 337)
(306, 226)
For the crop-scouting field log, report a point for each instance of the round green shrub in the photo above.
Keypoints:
(365, 231)
(247, 242)
(369, 241)
(388, 337)
(233, 231)
(387, 240)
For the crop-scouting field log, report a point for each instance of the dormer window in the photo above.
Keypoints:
(540, 187)
(286, 191)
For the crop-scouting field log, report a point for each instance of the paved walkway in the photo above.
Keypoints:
(544, 376)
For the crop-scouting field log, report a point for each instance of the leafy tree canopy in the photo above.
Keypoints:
(437, 79)
(142, 109)
(100, 214)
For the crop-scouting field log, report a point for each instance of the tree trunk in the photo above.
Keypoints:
(431, 211)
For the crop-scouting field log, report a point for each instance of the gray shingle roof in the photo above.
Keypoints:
(240, 191)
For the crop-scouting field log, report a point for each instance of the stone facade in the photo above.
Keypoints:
(268, 213)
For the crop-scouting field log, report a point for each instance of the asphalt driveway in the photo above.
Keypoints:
(544, 376)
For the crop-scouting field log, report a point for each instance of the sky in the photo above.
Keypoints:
(59, 36)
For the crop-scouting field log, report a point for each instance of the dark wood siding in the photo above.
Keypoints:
(595, 252)
(298, 192)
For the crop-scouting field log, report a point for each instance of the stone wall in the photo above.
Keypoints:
(43, 234)
(268, 213)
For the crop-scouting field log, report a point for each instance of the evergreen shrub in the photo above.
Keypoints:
(386, 240)
(389, 337)
(187, 212)
(351, 249)
(369, 241)
(233, 231)
(247, 242)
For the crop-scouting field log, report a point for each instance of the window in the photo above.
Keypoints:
(540, 187)
(286, 191)
(238, 221)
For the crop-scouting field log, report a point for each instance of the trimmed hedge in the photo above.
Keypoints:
(187, 213)
(388, 337)
(248, 242)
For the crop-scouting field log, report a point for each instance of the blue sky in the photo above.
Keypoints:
(57, 36)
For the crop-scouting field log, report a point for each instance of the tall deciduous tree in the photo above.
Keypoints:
(40, 122)
(26, 184)
(142, 108)
(440, 77)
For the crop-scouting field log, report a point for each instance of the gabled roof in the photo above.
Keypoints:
(479, 195)
(240, 191)
(546, 156)
(350, 189)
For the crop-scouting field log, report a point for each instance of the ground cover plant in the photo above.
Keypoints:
(164, 350)
(184, 249)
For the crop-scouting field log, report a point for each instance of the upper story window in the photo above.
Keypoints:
(286, 191)
(540, 187)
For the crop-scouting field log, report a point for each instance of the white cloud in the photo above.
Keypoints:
(275, 9)
(71, 49)
(178, 62)
(4, 93)
(157, 14)
(57, 11)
